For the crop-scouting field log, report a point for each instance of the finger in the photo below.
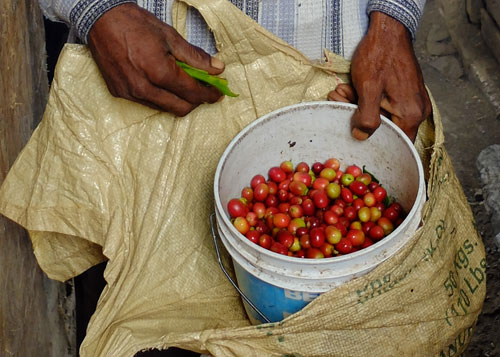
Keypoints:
(407, 119)
(159, 98)
(192, 55)
(410, 119)
(337, 97)
(343, 93)
(359, 134)
(386, 105)
(409, 130)
(366, 118)
(170, 76)
(347, 91)
(386, 108)
(390, 113)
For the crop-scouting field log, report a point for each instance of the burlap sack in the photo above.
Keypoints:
(104, 178)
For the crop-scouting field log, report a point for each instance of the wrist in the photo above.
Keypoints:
(407, 12)
(85, 13)
(387, 29)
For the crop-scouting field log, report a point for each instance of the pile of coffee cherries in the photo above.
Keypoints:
(315, 212)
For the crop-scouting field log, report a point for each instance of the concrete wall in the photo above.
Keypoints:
(36, 313)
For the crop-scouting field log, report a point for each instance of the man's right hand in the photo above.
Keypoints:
(136, 54)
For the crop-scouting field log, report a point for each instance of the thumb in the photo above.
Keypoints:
(366, 118)
(195, 56)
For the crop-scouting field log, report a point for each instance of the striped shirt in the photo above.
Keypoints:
(308, 25)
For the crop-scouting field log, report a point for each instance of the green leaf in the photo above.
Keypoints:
(201, 75)
(388, 200)
(365, 171)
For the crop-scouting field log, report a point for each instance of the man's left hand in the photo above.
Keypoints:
(385, 74)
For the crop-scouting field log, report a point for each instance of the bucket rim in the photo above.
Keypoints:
(417, 204)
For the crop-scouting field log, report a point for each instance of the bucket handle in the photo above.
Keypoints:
(242, 294)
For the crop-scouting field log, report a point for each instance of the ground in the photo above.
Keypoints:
(471, 124)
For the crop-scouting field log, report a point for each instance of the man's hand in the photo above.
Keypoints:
(385, 74)
(136, 54)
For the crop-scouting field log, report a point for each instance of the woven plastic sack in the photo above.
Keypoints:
(104, 178)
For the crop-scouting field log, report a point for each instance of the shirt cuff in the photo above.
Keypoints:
(86, 12)
(405, 11)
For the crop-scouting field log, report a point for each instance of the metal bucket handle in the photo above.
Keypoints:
(243, 296)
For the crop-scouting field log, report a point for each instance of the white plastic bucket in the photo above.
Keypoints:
(280, 285)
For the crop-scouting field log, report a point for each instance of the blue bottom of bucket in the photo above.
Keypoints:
(274, 302)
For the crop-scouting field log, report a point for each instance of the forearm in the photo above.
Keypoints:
(78, 14)
(408, 12)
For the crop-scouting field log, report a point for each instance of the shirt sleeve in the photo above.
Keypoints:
(80, 15)
(57, 10)
(408, 12)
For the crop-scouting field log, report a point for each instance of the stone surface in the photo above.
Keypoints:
(493, 7)
(491, 33)
(497, 241)
(470, 126)
(438, 32)
(488, 164)
(473, 10)
(440, 48)
(479, 64)
(439, 41)
(449, 66)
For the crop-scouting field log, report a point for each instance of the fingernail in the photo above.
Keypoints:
(217, 63)
(359, 134)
